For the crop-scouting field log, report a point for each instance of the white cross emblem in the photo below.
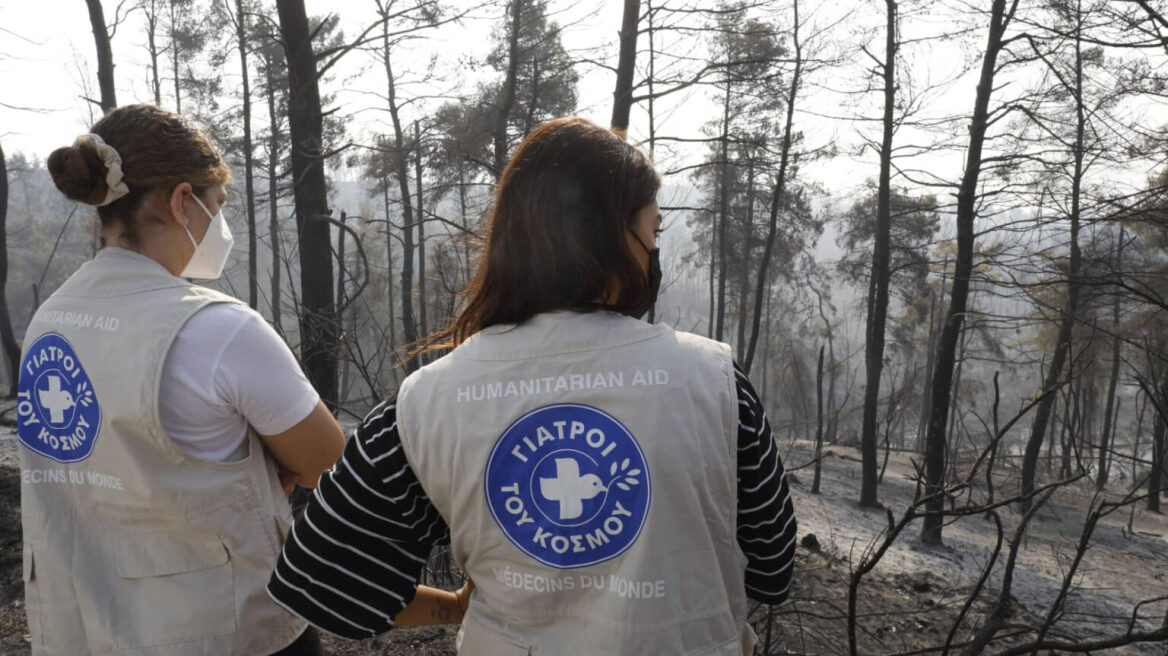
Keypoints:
(569, 488)
(56, 400)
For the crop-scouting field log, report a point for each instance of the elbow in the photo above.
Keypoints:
(774, 594)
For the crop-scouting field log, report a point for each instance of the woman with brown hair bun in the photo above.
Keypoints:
(611, 486)
(157, 418)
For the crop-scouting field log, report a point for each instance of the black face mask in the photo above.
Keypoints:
(654, 279)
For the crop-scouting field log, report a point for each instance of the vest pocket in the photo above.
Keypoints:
(32, 595)
(172, 588)
(476, 639)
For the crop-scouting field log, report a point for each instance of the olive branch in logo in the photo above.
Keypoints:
(629, 476)
(84, 394)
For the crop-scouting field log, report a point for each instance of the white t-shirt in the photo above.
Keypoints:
(228, 369)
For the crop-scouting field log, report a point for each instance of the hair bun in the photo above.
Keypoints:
(79, 173)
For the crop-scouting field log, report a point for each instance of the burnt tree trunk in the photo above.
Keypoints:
(401, 171)
(389, 266)
(1159, 444)
(421, 221)
(622, 96)
(744, 265)
(507, 98)
(248, 162)
(1111, 411)
(966, 213)
(929, 361)
(105, 56)
(878, 300)
(174, 59)
(319, 329)
(723, 217)
(152, 46)
(818, 422)
(1066, 326)
(7, 336)
(273, 200)
(779, 190)
(342, 303)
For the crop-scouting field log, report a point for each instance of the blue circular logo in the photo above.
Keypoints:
(568, 485)
(57, 412)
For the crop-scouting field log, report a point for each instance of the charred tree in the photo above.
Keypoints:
(506, 98)
(622, 96)
(319, 330)
(1069, 312)
(1112, 410)
(401, 171)
(105, 56)
(878, 299)
(780, 185)
(942, 383)
(248, 162)
(7, 336)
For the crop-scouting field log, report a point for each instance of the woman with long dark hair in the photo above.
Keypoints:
(611, 486)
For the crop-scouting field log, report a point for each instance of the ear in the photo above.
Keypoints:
(179, 196)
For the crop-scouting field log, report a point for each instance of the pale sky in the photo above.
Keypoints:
(47, 57)
(45, 62)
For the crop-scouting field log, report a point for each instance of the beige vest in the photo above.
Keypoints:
(132, 546)
(586, 465)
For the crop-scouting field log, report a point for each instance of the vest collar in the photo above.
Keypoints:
(131, 259)
(558, 332)
(116, 272)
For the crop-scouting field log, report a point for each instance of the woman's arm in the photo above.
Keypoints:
(258, 376)
(435, 606)
(352, 563)
(308, 448)
(766, 516)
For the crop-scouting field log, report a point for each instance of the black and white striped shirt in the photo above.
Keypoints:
(353, 560)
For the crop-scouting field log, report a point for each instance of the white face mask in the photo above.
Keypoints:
(211, 254)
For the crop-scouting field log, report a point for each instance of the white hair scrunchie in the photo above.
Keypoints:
(113, 167)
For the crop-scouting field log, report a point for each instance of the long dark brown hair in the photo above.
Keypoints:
(557, 235)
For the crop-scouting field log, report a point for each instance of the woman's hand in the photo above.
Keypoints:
(435, 606)
(462, 597)
(288, 480)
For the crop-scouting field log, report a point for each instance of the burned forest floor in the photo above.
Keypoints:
(907, 604)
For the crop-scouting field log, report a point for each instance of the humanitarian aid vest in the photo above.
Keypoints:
(131, 546)
(586, 466)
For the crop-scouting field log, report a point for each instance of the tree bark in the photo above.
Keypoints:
(151, 9)
(780, 189)
(744, 265)
(622, 96)
(926, 398)
(421, 230)
(966, 213)
(1113, 382)
(389, 267)
(1159, 445)
(818, 422)
(7, 336)
(878, 300)
(402, 173)
(174, 60)
(342, 274)
(318, 321)
(723, 216)
(248, 163)
(273, 200)
(507, 98)
(1066, 326)
(105, 56)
